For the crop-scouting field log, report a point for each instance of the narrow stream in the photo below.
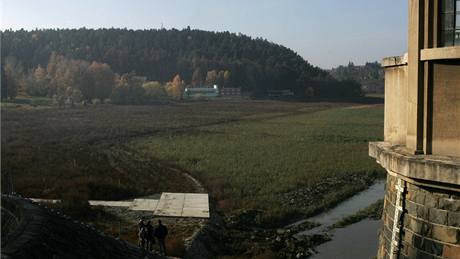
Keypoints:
(356, 241)
(346, 208)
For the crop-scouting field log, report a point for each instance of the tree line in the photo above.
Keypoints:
(369, 75)
(70, 81)
(199, 57)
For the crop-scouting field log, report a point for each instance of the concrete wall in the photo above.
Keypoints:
(396, 104)
(446, 108)
(431, 227)
(445, 116)
(421, 151)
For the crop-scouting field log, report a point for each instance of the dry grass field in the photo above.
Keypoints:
(284, 159)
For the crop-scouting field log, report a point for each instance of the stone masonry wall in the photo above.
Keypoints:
(431, 222)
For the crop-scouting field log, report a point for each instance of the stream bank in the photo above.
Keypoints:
(358, 240)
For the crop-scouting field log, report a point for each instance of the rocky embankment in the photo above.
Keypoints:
(310, 195)
(33, 231)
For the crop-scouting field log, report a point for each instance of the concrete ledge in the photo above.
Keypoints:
(394, 61)
(436, 169)
(440, 53)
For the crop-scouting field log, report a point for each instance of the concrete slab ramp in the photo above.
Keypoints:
(36, 232)
(193, 205)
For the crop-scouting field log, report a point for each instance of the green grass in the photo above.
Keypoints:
(250, 154)
(252, 163)
(27, 102)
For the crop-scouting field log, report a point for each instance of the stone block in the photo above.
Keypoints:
(416, 225)
(454, 219)
(403, 256)
(422, 212)
(391, 212)
(387, 233)
(449, 204)
(426, 229)
(423, 255)
(408, 237)
(431, 247)
(391, 197)
(420, 198)
(444, 234)
(417, 241)
(411, 208)
(405, 248)
(381, 251)
(412, 187)
(410, 195)
(451, 252)
(439, 216)
(431, 201)
(406, 221)
(411, 252)
(387, 244)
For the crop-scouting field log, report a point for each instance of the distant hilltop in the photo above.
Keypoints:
(257, 66)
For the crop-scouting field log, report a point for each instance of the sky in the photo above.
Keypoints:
(326, 33)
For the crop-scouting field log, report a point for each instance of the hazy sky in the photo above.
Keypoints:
(326, 33)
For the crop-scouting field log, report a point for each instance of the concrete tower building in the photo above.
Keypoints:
(421, 148)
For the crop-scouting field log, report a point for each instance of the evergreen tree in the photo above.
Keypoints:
(101, 80)
(197, 77)
(4, 83)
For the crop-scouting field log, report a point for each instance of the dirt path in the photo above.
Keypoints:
(362, 106)
(197, 184)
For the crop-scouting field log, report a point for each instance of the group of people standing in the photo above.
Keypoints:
(147, 235)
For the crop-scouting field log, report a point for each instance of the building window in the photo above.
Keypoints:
(450, 22)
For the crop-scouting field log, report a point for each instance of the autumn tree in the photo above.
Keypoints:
(175, 88)
(227, 78)
(211, 77)
(154, 91)
(38, 82)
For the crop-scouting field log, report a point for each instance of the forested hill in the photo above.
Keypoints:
(255, 65)
(370, 75)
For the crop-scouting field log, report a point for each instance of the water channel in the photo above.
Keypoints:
(359, 240)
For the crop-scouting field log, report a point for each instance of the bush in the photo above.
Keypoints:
(154, 91)
(128, 90)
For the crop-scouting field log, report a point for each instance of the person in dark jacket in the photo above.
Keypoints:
(149, 236)
(161, 231)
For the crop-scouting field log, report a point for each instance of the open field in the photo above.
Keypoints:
(283, 159)
(285, 164)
